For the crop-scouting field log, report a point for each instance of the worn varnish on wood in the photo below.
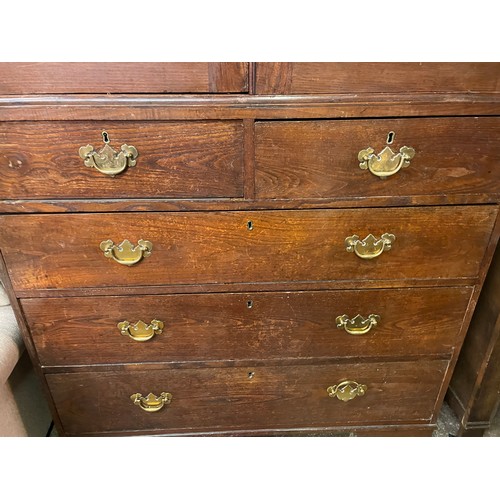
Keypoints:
(211, 399)
(219, 247)
(247, 201)
(246, 326)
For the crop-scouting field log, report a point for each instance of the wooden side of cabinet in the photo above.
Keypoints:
(474, 392)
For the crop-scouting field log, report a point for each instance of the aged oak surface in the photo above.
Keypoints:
(40, 160)
(320, 78)
(218, 247)
(247, 184)
(213, 399)
(116, 78)
(242, 326)
(319, 159)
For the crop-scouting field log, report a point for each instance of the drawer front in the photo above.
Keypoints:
(341, 78)
(244, 326)
(319, 159)
(174, 160)
(66, 251)
(211, 399)
(122, 78)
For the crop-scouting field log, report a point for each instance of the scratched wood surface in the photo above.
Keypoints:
(219, 247)
(247, 397)
(319, 159)
(241, 326)
(176, 160)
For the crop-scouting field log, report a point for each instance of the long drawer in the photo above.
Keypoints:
(246, 326)
(79, 250)
(171, 159)
(318, 159)
(211, 399)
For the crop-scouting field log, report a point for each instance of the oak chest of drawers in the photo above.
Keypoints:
(247, 248)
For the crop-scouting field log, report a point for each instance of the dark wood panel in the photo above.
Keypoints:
(265, 326)
(122, 78)
(325, 78)
(218, 247)
(176, 160)
(474, 388)
(319, 159)
(212, 399)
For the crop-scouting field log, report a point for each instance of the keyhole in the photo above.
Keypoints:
(249, 225)
(250, 304)
(105, 137)
(390, 137)
(251, 375)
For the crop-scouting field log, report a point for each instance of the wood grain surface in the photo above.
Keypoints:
(176, 159)
(319, 159)
(63, 251)
(210, 399)
(242, 326)
(325, 78)
(116, 78)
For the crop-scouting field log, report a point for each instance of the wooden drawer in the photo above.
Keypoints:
(244, 326)
(122, 78)
(319, 159)
(342, 78)
(63, 251)
(175, 160)
(267, 397)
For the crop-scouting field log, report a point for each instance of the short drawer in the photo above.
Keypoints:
(246, 326)
(171, 160)
(267, 397)
(54, 251)
(320, 159)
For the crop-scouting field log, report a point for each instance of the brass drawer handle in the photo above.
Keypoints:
(140, 332)
(346, 390)
(357, 325)
(387, 162)
(125, 253)
(370, 247)
(151, 403)
(107, 160)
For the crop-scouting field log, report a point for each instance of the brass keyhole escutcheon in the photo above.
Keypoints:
(107, 160)
(387, 162)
